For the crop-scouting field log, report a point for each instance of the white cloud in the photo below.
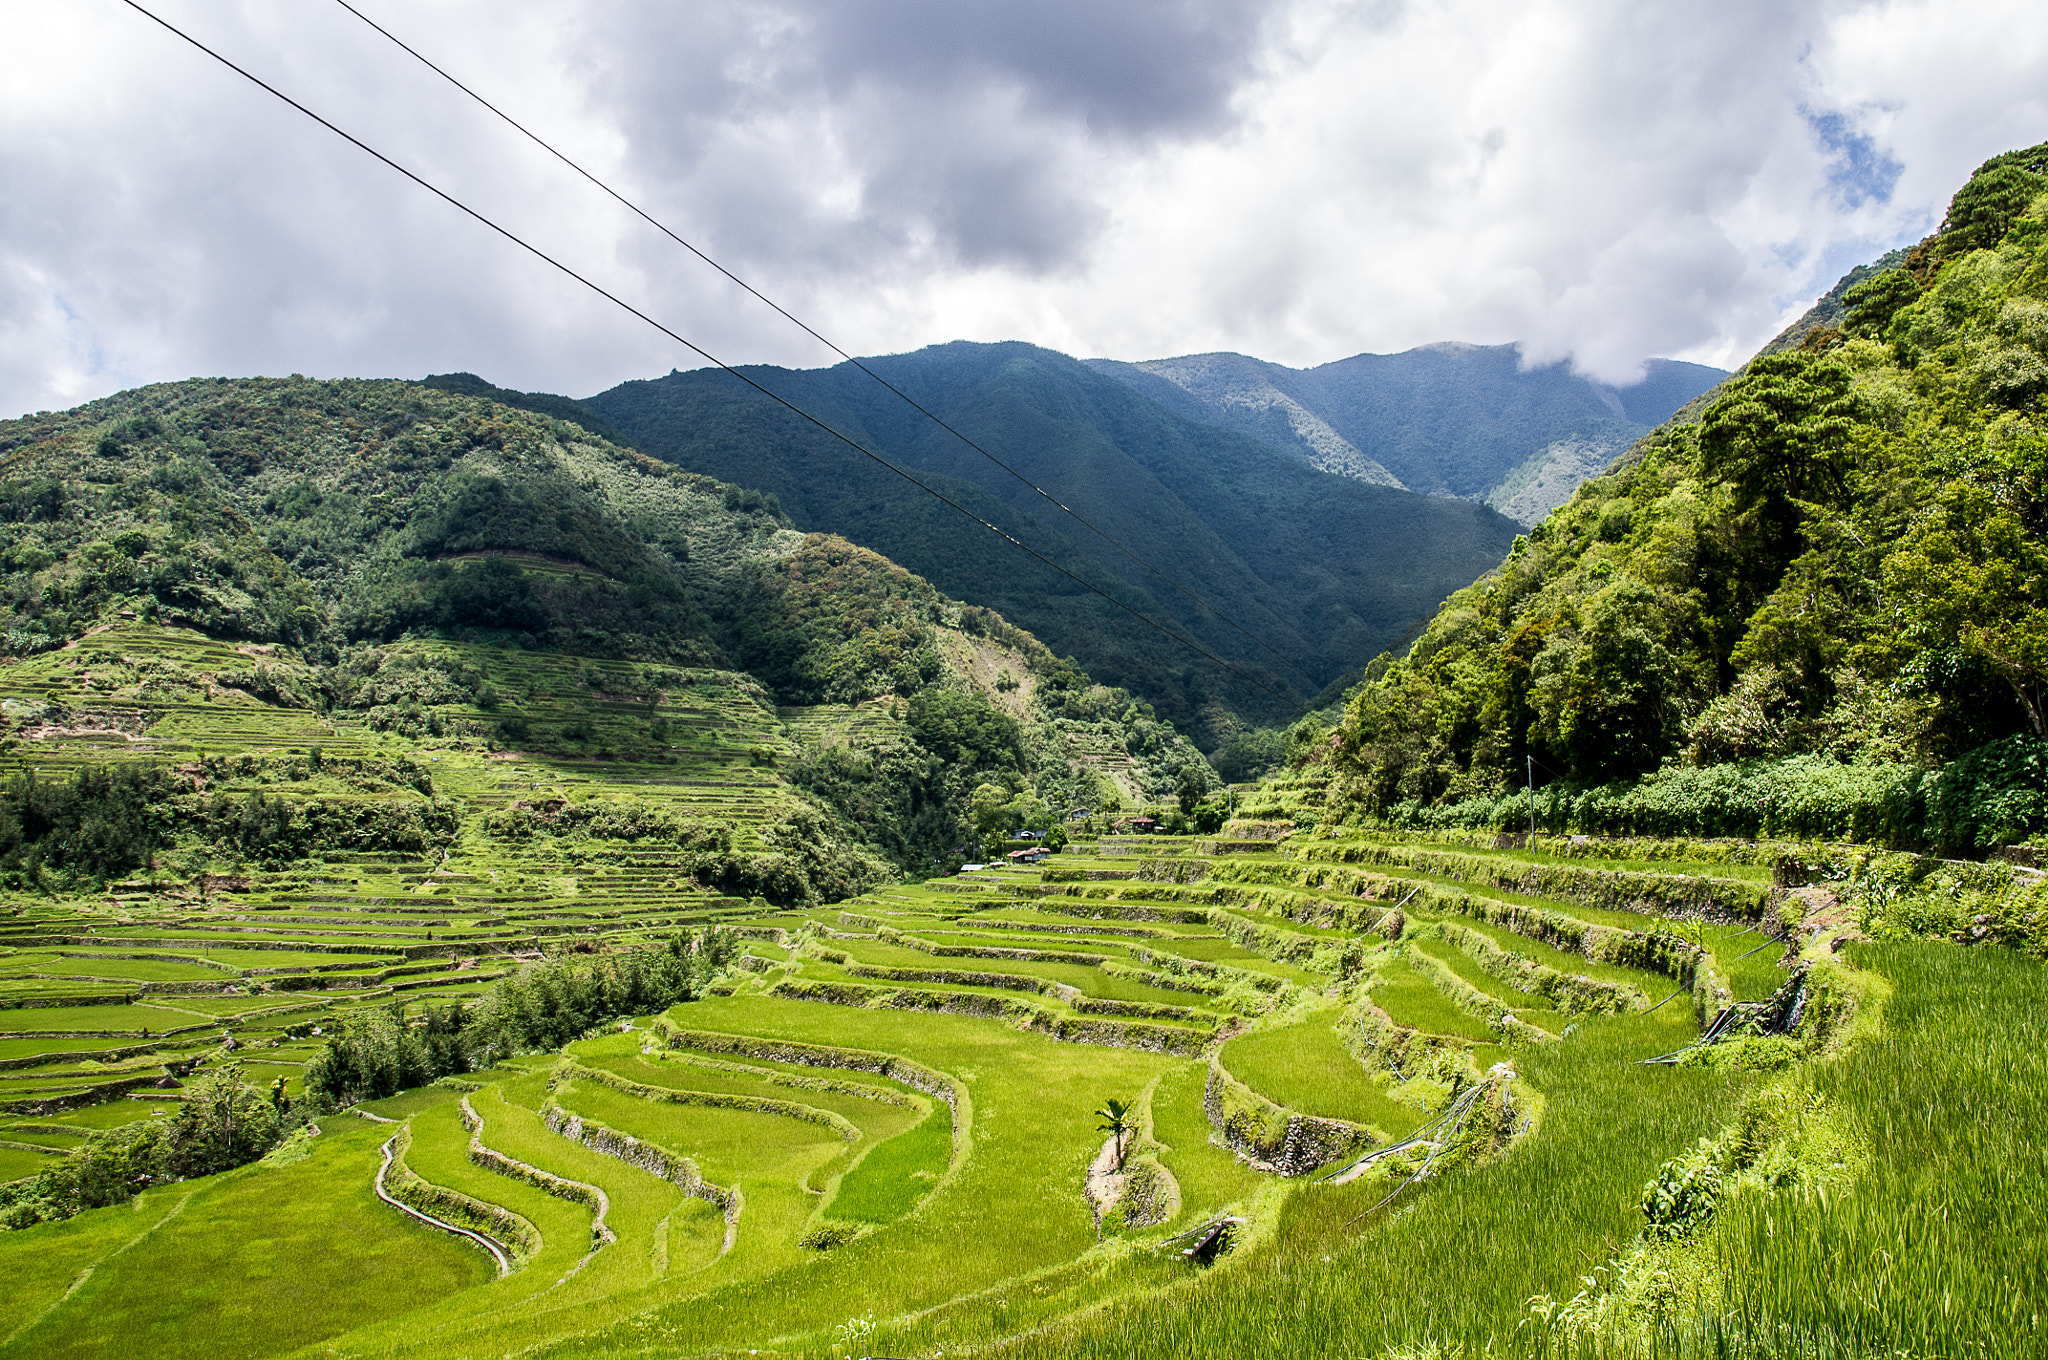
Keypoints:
(1300, 180)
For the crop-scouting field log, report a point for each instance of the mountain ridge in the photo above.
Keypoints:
(1804, 600)
(430, 563)
(1449, 418)
(1325, 569)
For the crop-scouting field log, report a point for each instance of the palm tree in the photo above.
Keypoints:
(1116, 1120)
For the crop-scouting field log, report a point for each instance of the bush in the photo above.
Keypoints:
(1994, 795)
(274, 829)
(609, 819)
(223, 1123)
(105, 822)
(538, 1008)
(1250, 755)
(1802, 796)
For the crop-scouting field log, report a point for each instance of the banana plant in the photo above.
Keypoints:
(1116, 1119)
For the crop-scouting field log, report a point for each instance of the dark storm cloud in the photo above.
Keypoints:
(970, 126)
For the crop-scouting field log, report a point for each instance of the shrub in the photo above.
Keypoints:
(223, 1123)
(537, 1008)
(1994, 795)
(1808, 796)
(103, 823)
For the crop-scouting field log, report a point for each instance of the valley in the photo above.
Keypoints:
(1320, 569)
(472, 886)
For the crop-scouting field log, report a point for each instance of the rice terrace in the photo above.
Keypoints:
(487, 874)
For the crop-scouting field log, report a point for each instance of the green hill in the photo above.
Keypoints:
(1325, 569)
(1811, 603)
(1446, 420)
(418, 938)
(357, 563)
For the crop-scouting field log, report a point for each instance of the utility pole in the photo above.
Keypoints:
(1531, 763)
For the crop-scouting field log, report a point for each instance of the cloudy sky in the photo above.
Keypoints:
(1601, 180)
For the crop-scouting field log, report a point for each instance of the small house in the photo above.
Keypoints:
(1033, 855)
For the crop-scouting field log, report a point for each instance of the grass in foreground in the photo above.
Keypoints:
(1941, 1248)
(307, 1249)
(1453, 1262)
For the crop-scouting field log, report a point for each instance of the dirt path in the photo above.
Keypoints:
(1105, 1185)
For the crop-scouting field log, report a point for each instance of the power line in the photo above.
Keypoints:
(798, 322)
(697, 349)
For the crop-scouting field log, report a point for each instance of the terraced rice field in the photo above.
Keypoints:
(876, 1134)
(887, 1111)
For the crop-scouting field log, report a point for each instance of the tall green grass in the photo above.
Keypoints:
(889, 1181)
(1305, 1068)
(1014, 1210)
(1414, 1001)
(1941, 1247)
(257, 1262)
(1450, 1263)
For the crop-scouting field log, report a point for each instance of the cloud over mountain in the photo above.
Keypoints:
(1295, 179)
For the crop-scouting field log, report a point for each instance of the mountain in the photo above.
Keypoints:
(1446, 419)
(409, 567)
(429, 832)
(1813, 602)
(1325, 570)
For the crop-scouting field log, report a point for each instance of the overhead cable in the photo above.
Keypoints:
(699, 350)
(804, 326)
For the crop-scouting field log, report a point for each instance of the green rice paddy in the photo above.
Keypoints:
(963, 1032)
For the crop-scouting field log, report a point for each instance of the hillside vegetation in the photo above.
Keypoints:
(1324, 569)
(1448, 419)
(537, 1094)
(1811, 606)
(452, 905)
(372, 560)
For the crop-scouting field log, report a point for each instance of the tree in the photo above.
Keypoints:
(1873, 302)
(1781, 430)
(224, 1122)
(989, 807)
(966, 731)
(1983, 210)
(112, 1166)
(1973, 579)
(1783, 438)
(1116, 1121)
(1025, 810)
(1606, 700)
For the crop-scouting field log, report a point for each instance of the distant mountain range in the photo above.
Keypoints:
(1327, 570)
(1325, 511)
(1445, 420)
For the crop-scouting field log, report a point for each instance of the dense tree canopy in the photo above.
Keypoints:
(1841, 556)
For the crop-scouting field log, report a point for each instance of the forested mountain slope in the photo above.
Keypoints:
(1790, 610)
(1446, 419)
(381, 562)
(383, 972)
(1327, 570)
